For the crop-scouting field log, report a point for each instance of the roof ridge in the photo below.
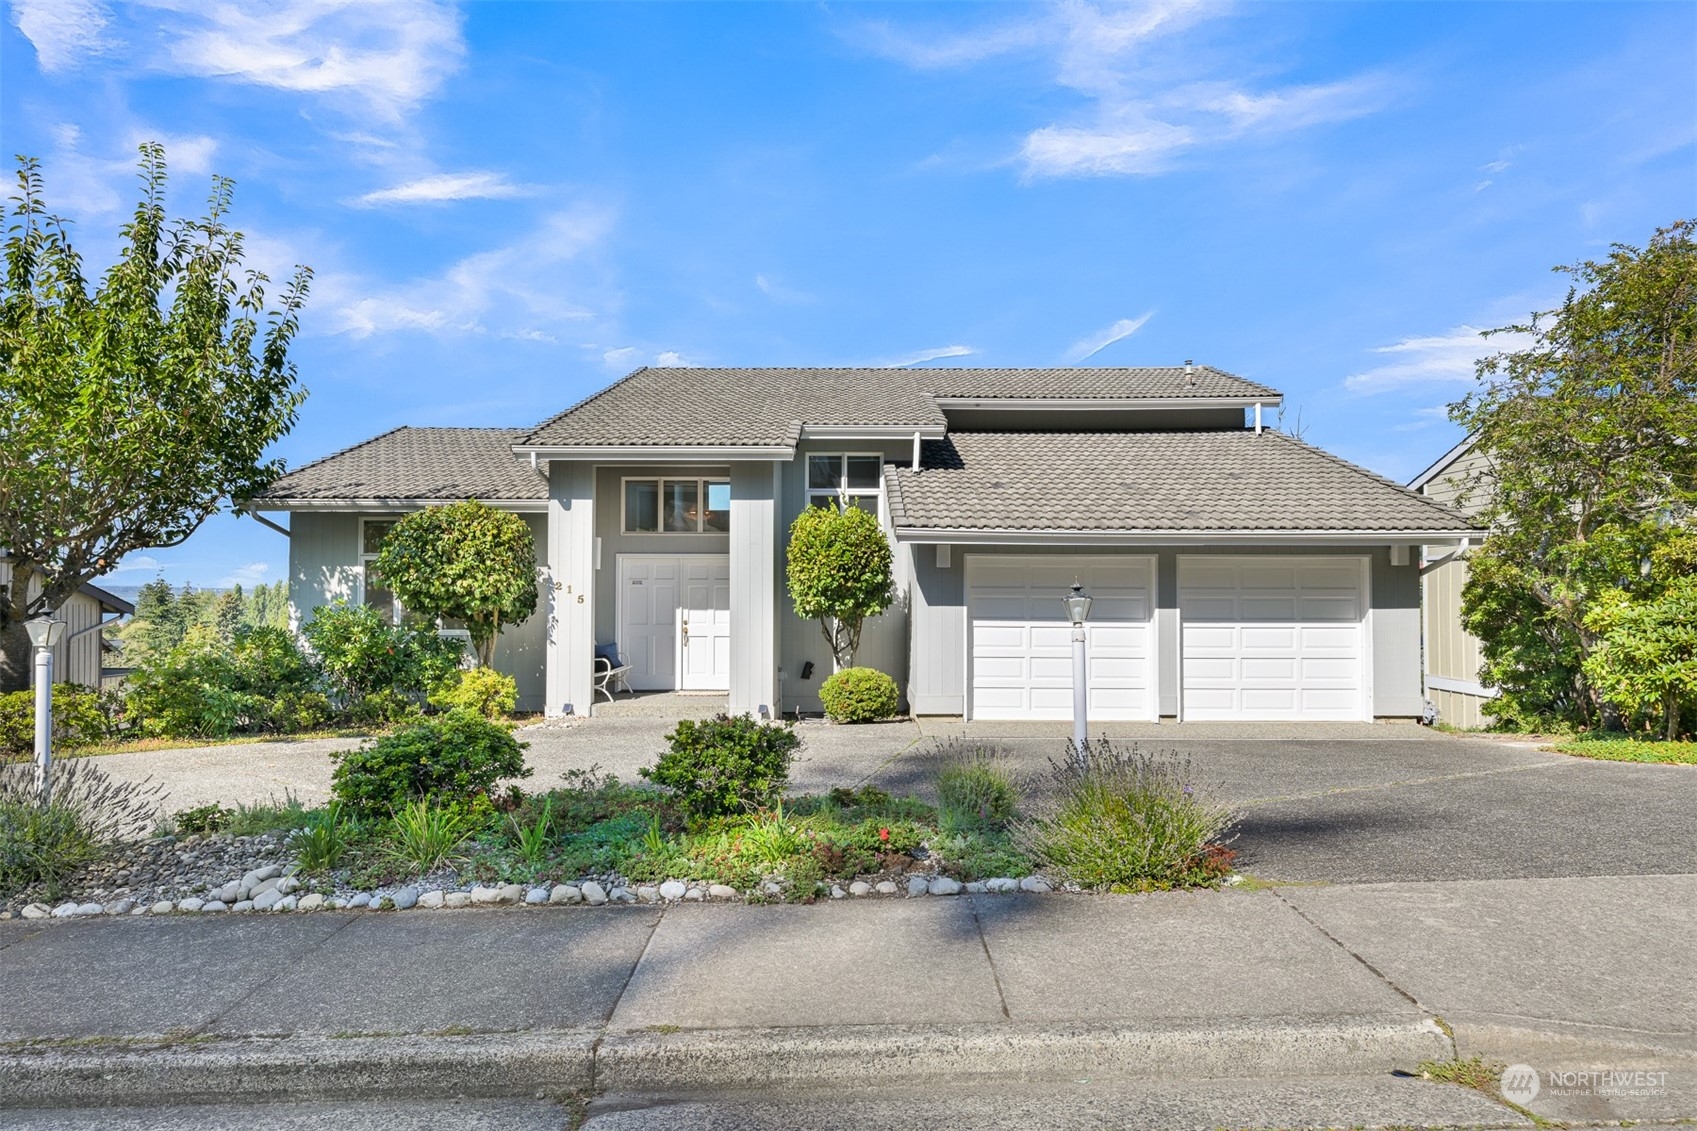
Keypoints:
(344, 451)
(1358, 469)
(595, 396)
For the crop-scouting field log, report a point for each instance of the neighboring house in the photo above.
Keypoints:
(1238, 573)
(80, 656)
(1452, 654)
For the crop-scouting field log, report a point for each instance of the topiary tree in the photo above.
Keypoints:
(465, 561)
(839, 574)
(1648, 656)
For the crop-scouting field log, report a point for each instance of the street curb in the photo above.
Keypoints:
(523, 1064)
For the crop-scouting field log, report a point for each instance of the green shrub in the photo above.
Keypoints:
(482, 691)
(859, 695)
(423, 837)
(202, 819)
(455, 757)
(82, 717)
(207, 687)
(1122, 820)
(268, 817)
(89, 813)
(365, 656)
(974, 788)
(725, 765)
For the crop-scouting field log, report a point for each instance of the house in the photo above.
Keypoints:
(1237, 572)
(80, 656)
(1452, 654)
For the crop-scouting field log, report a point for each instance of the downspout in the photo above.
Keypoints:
(1257, 418)
(263, 521)
(916, 451)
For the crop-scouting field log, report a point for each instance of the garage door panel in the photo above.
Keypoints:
(1272, 639)
(1022, 643)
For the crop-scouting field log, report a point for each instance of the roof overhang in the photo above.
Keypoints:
(109, 602)
(346, 505)
(894, 432)
(660, 453)
(988, 537)
(1443, 464)
(1078, 404)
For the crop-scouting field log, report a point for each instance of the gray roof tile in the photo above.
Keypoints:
(1151, 481)
(745, 407)
(417, 463)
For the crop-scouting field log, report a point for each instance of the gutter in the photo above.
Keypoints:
(1076, 404)
(982, 537)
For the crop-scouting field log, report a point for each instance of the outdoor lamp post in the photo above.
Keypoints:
(1078, 611)
(44, 633)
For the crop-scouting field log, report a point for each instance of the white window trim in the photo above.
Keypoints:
(701, 483)
(365, 560)
(842, 492)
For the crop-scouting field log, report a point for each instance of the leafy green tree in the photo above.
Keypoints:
(133, 410)
(1647, 658)
(464, 561)
(839, 574)
(227, 613)
(1590, 463)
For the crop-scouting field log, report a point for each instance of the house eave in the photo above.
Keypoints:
(1076, 404)
(892, 432)
(332, 505)
(971, 536)
(659, 453)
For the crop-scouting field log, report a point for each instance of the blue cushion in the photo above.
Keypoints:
(608, 652)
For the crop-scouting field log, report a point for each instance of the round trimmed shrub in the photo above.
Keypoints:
(456, 757)
(482, 691)
(859, 695)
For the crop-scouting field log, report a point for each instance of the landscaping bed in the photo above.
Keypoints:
(418, 821)
(1621, 748)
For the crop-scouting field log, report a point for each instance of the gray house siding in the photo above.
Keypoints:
(938, 598)
(609, 530)
(324, 568)
(1454, 655)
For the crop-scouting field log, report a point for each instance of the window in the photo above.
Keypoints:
(677, 506)
(838, 481)
(371, 535)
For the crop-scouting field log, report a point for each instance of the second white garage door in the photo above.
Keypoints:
(1021, 642)
(1273, 638)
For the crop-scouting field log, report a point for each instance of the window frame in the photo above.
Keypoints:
(396, 611)
(842, 493)
(702, 483)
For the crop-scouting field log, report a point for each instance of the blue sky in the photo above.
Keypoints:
(509, 205)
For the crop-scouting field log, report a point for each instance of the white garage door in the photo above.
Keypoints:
(1021, 641)
(1273, 638)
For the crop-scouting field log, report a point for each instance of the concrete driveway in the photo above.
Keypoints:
(1319, 802)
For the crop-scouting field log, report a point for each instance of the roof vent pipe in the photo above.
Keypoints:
(1189, 372)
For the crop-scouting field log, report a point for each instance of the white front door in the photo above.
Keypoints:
(658, 596)
(1273, 637)
(1021, 648)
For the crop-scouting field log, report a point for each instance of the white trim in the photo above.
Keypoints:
(996, 537)
(701, 484)
(388, 505)
(362, 558)
(1461, 686)
(1075, 404)
(865, 432)
(1442, 464)
(661, 453)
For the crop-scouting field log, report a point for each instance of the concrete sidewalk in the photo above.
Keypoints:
(1292, 983)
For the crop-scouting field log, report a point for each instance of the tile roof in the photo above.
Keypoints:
(747, 407)
(1151, 481)
(417, 463)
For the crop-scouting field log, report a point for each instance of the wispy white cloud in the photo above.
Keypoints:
(669, 359)
(253, 573)
(63, 32)
(1140, 117)
(439, 188)
(138, 563)
(388, 57)
(936, 354)
(630, 357)
(1422, 418)
(526, 283)
(98, 180)
(1094, 344)
(777, 292)
(1447, 358)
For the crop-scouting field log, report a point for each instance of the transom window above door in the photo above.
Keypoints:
(677, 506)
(838, 481)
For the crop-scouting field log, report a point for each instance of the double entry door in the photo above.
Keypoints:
(675, 621)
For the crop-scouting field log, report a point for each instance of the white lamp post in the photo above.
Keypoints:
(44, 633)
(1078, 611)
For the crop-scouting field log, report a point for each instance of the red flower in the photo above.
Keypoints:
(883, 834)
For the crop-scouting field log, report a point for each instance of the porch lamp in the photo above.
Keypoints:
(1077, 605)
(44, 633)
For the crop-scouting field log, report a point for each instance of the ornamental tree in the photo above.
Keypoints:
(464, 561)
(1590, 464)
(839, 574)
(131, 411)
(1647, 658)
